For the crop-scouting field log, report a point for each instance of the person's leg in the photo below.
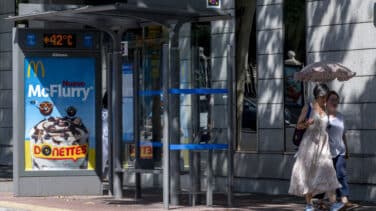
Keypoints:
(332, 196)
(308, 198)
(336, 206)
(340, 166)
(320, 203)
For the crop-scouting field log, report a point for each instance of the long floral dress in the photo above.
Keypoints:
(313, 170)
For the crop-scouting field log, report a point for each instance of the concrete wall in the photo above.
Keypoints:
(270, 75)
(7, 7)
(222, 50)
(222, 36)
(343, 31)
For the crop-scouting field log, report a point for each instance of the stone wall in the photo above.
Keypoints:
(269, 26)
(343, 31)
(7, 8)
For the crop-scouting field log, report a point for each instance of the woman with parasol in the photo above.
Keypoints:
(313, 171)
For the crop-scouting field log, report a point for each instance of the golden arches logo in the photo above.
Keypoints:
(34, 66)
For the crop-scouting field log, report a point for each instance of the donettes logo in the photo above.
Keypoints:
(49, 152)
(35, 67)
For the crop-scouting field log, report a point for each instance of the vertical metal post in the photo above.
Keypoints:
(192, 200)
(210, 174)
(194, 157)
(230, 125)
(110, 121)
(195, 178)
(136, 125)
(209, 187)
(18, 111)
(174, 114)
(166, 134)
(117, 116)
(211, 126)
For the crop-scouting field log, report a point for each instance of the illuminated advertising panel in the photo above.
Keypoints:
(59, 113)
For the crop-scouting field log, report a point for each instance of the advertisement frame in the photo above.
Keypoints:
(36, 83)
(18, 80)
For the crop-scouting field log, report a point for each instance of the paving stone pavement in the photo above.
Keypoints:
(152, 200)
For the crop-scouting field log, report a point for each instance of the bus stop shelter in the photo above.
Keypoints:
(114, 19)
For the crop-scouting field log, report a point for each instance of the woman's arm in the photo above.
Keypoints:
(302, 122)
(344, 139)
(346, 147)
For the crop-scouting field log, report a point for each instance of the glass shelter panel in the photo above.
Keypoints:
(144, 57)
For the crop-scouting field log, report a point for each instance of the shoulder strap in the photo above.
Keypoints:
(309, 111)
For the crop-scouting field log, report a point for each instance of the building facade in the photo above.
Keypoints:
(347, 37)
(6, 8)
(338, 31)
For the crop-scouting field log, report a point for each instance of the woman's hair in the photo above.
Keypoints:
(333, 93)
(320, 90)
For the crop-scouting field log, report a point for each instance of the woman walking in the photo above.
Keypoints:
(313, 172)
(338, 147)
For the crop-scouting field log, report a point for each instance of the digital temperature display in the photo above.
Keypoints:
(56, 40)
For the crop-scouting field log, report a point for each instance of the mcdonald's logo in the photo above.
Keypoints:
(35, 67)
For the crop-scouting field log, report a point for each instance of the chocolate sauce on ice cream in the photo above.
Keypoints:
(59, 142)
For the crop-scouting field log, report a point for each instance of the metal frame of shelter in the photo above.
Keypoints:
(114, 19)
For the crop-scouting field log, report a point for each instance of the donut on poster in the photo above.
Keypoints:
(59, 113)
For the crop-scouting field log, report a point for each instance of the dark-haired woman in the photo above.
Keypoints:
(313, 172)
(338, 146)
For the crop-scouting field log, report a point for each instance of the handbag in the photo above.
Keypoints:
(298, 133)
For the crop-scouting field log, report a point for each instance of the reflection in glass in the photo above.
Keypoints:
(145, 47)
(248, 124)
(202, 78)
(294, 56)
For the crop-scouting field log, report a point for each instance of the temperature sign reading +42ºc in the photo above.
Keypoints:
(55, 40)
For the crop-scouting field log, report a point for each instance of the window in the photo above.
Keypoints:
(248, 126)
(294, 56)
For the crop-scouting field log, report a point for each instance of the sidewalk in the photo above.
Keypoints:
(152, 200)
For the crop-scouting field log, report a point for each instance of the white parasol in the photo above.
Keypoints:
(324, 72)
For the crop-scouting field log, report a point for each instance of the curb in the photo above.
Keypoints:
(27, 207)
